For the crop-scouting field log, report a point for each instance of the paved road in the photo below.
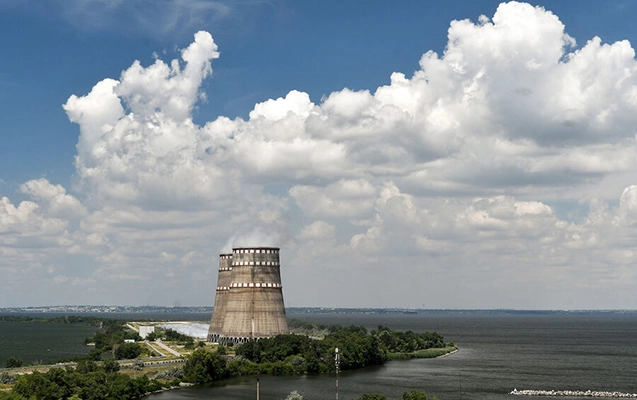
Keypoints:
(123, 364)
(154, 348)
(168, 349)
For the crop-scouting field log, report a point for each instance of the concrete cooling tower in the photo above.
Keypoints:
(249, 298)
(221, 296)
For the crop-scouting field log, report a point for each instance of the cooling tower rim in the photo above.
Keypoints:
(255, 248)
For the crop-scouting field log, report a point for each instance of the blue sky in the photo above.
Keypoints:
(329, 192)
(268, 49)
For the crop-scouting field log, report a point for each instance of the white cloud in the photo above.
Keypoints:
(318, 230)
(437, 188)
(168, 89)
(295, 103)
(54, 198)
(345, 198)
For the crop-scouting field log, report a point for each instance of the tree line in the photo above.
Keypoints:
(298, 354)
(412, 395)
(88, 381)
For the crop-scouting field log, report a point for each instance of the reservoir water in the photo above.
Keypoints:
(42, 343)
(498, 352)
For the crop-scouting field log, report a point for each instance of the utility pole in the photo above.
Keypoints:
(337, 362)
(258, 387)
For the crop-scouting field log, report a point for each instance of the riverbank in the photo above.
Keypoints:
(573, 393)
(427, 353)
(319, 382)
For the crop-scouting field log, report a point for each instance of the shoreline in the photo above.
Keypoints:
(572, 393)
(420, 354)
(448, 354)
(186, 384)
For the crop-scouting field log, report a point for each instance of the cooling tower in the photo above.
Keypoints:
(221, 296)
(252, 306)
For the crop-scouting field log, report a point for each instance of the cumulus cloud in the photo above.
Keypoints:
(442, 182)
(346, 198)
(54, 198)
(137, 140)
(317, 230)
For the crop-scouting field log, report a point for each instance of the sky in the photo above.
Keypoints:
(408, 154)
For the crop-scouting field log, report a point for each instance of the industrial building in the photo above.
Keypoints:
(249, 297)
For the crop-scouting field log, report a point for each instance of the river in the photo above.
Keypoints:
(498, 352)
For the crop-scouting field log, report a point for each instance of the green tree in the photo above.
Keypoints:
(204, 366)
(63, 380)
(84, 367)
(372, 396)
(415, 395)
(13, 362)
(93, 386)
(171, 334)
(37, 386)
(95, 354)
(128, 351)
(121, 386)
(110, 365)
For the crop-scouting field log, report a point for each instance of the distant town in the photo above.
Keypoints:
(105, 309)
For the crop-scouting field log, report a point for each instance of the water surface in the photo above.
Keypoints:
(42, 343)
(498, 352)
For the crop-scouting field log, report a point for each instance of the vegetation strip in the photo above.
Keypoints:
(282, 354)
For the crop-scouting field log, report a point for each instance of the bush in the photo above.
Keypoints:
(128, 351)
(84, 367)
(281, 368)
(111, 366)
(10, 396)
(171, 334)
(372, 396)
(415, 395)
(241, 367)
(203, 366)
(298, 364)
(13, 362)
(171, 374)
(7, 379)
(138, 365)
(294, 396)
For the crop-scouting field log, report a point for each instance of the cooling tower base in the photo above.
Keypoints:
(227, 340)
